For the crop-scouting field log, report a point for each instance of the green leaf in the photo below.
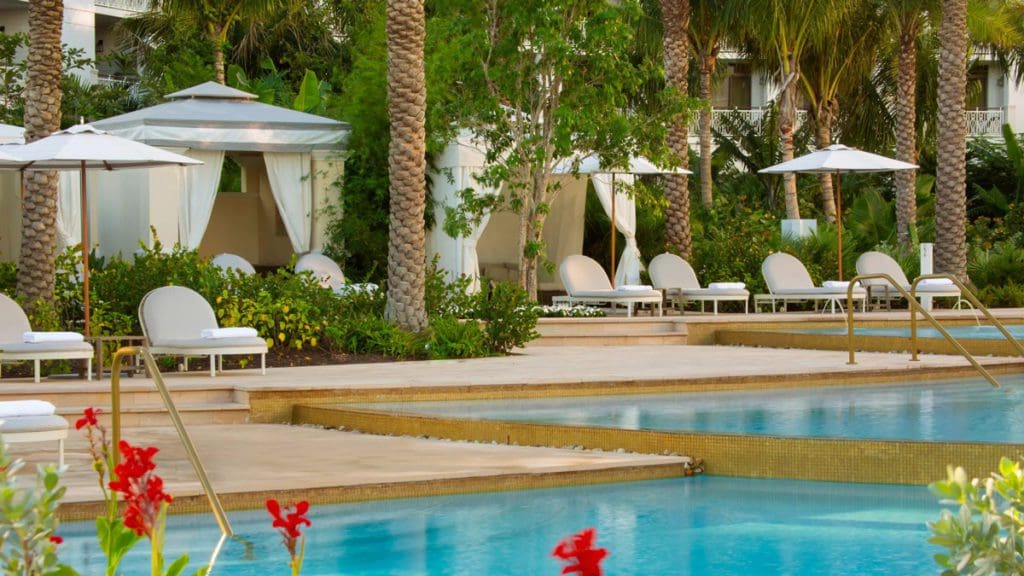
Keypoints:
(308, 99)
(178, 566)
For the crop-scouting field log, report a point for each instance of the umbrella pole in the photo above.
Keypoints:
(839, 219)
(613, 230)
(85, 252)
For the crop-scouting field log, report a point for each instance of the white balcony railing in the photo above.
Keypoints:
(753, 116)
(126, 5)
(985, 122)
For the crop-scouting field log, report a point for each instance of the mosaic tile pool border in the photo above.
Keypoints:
(783, 339)
(826, 459)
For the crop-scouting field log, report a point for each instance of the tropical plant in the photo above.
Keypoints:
(407, 166)
(951, 174)
(42, 118)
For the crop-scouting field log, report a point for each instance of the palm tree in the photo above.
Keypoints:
(951, 172)
(782, 30)
(675, 18)
(711, 22)
(42, 117)
(836, 60)
(214, 19)
(406, 31)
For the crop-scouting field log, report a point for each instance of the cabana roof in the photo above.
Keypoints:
(211, 116)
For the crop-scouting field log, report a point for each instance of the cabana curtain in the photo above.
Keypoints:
(198, 196)
(69, 209)
(628, 269)
(292, 186)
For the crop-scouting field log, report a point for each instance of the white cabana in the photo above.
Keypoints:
(490, 249)
(289, 161)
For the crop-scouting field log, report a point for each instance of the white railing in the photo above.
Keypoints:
(126, 5)
(752, 115)
(985, 122)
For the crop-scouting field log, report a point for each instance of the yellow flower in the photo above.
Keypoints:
(285, 309)
(280, 336)
(312, 342)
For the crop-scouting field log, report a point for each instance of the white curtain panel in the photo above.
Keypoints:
(470, 265)
(292, 185)
(198, 195)
(628, 269)
(69, 209)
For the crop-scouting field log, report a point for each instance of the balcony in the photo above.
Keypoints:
(986, 122)
(125, 5)
(752, 116)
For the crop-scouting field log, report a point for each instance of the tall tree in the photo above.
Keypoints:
(407, 103)
(675, 18)
(711, 22)
(213, 19)
(42, 117)
(834, 60)
(951, 172)
(781, 31)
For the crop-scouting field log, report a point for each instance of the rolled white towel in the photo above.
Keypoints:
(634, 288)
(237, 332)
(727, 285)
(16, 408)
(936, 282)
(835, 284)
(40, 337)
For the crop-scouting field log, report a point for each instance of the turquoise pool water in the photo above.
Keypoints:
(703, 525)
(923, 331)
(961, 410)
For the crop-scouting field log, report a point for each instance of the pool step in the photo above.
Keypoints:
(141, 404)
(639, 331)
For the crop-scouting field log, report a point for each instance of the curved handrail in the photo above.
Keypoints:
(186, 441)
(964, 291)
(915, 307)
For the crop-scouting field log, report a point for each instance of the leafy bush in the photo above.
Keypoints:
(509, 314)
(373, 334)
(455, 338)
(8, 278)
(565, 311)
(985, 535)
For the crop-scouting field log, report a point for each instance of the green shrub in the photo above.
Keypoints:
(373, 334)
(455, 338)
(8, 278)
(985, 534)
(1009, 295)
(509, 314)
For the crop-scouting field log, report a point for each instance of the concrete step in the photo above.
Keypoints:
(611, 326)
(157, 415)
(80, 393)
(611, 339)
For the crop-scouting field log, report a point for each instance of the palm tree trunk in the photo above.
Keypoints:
(787, 125)
(42, 117)
(707, 70)
(906, 135)
(951, 174)
(406, 31)
(823, 139)
(218, 63)
(675, 15)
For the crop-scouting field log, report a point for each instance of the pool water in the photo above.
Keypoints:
(960, 410)
(702, 525)
(958, 332)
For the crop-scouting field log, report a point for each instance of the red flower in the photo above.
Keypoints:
(142, 490)
(88, 418)
(288, 520)
(56, 539)
(579, 552)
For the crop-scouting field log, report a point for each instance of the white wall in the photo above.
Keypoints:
(79, 28)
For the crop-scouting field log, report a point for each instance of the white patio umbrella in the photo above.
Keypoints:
(837, 159)
(591, 164)
(83, 148)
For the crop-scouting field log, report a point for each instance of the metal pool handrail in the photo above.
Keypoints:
(915, 307)
(974, 302)
(179, 426)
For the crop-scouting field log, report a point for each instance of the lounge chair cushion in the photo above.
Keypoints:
(821, 292)
(698, 293)
(669, 271)
(175, 317)
(785, 273)
(23, 424)
(45, 347)
(616, 294)
(211, 344)
(13, 321)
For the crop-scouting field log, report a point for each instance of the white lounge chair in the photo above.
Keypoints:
(14, 327)
(676, 277)
(586, 283)
(882, 291)
(33, 421)
(328, 274)
(240, 265)
(174, 320)
(788, 281)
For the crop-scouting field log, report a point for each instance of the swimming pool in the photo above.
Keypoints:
(924, 331)
(959, 410)
(702, 525)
